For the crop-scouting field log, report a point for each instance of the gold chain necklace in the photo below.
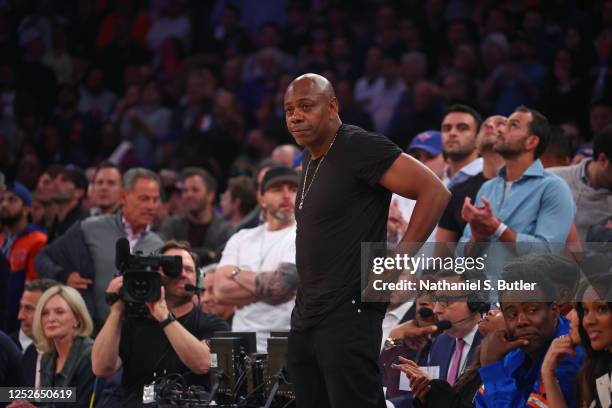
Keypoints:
(314, 175)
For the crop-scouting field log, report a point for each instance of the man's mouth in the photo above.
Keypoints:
(527, 336)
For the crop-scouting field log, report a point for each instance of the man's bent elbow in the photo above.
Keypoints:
(202, 367)
(440, 193)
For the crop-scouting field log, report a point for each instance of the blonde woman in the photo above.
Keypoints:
(62, 326)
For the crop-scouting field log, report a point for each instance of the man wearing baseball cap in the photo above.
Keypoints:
(257, 269)
(426, 147)
(19, 243)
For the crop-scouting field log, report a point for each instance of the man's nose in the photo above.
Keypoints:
(522, 320)
(287, 191)
(296, 117)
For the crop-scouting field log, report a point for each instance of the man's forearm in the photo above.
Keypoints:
(273, 287)
(105, 352)
(509, 238)
(278, 286)
(554, 395)
(238, 290)
(192, 352)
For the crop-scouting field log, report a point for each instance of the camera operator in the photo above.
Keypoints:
(169, 341)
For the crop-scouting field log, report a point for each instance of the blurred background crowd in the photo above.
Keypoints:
(167, 84)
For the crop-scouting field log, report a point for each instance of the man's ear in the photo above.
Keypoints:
(334, 107)
(532, 143)
(261, 201)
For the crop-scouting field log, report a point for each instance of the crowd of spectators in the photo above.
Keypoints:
(169, 84)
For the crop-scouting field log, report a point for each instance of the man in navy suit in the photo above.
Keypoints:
(452, 351)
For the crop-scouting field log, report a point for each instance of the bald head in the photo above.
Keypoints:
(319, 85)
(311, 112)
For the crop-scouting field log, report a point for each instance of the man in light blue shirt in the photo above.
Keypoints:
(524, 203)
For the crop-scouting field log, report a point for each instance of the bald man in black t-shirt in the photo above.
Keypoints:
(343, 200)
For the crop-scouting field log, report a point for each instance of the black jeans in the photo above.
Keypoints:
(334, 363)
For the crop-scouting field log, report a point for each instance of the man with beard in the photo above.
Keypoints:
(524, 203)
(20, 242)
(205, 231)
(459, 130)
(257, 270)
(451, 224)
(170, 340)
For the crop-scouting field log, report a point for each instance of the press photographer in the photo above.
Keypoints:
(168, 341)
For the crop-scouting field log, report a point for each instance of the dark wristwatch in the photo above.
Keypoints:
(111, 298)
(168, 320)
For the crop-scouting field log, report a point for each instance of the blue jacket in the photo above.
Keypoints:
(508, 384)
(20, 254)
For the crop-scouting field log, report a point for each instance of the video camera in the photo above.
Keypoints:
(141, 278)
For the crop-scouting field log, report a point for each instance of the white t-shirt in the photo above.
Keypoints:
(260, 250)
(406, 207)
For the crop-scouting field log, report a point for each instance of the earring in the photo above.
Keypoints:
(76, 325)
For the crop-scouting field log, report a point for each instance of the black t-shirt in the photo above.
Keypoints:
(451, 219)
(344, 207)
(144, 349)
